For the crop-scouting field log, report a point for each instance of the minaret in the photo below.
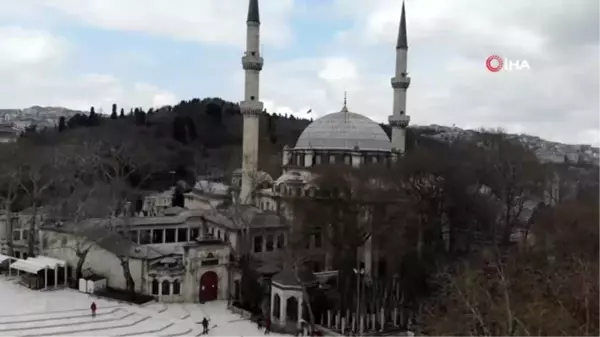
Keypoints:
(251, 107)
(400, 82)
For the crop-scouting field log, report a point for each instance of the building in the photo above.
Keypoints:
(8, 133)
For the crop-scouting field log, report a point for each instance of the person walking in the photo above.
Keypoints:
(93, 309)
(205, 326)
(267, 326)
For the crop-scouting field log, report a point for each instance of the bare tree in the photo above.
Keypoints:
(10, 173)
(550, 288)
(37, 177)
(513, 173)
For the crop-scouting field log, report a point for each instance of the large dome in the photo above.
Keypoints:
(344, 131)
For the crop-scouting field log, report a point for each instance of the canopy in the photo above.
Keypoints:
(50, 262)
(4, 258)
(27, 266)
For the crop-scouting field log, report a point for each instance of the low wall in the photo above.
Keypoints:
(237, 310)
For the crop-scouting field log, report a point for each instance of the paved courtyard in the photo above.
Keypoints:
(25, 312)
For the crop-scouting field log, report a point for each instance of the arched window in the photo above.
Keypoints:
(166, 288)
(176, 287)
(154, 287)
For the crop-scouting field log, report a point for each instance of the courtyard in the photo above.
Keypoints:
(64, 312)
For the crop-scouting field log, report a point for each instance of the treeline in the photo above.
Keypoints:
(202, 136)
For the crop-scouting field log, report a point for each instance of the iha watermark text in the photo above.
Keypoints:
(495, 63)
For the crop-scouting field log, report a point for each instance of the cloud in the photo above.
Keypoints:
(209, 21)
(34, 64)
(449, 42)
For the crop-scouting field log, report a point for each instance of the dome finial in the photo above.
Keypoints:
(345, 107)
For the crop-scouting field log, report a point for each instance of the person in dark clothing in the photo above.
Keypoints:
(267, 326)
(93, 308)
(205, 326)
(259, 324)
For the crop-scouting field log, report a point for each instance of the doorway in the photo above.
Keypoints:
(209, 286)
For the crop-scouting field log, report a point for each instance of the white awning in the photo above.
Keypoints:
(27, 266)
(4, 258)
(51, 262)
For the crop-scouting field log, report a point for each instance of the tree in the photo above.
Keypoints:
(353, 207)
(39, 167)
(61, 124)
(513, 173)
(10, 173)
(546, 284)
(113, 115)
(122, 114)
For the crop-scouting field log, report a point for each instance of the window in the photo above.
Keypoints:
(17, 235)
(347, 160)
(170, 235)
(270, 243)
(25, 234)
(195, 233)
(24, 256)
(280, 241)
(157, 236)
(154, 287)
(17, 254)
(219, 234)
(166, 287)
(252, 98)
(145, 237)
(374, 159)
(182, 234)
(318, 239)
(210, 260)
(332, 159)
(258, 244)
(176, 287)
(133, 236)
(253, 53)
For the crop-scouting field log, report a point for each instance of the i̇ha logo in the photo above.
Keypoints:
(496, 63)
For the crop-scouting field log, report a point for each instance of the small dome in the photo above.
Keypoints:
(344, 131)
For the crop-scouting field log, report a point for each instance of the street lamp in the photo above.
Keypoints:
(359, 273)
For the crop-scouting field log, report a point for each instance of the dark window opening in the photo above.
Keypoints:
(157, 236)
(252, 98)
(145, 237)
(182, 234)
(176, 287)
(166, 287)
(270, 243)
(258, 244)
(280, 241)
(170, 235)
(154, 287)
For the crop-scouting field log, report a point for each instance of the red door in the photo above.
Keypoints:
(209, 286)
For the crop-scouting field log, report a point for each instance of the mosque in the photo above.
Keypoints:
(187, 254)
(343, 137)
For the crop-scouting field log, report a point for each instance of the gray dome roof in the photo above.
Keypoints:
(344, 131)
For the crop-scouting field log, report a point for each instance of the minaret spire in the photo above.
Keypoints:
(399, 120)
(251, 107)
(402, 38)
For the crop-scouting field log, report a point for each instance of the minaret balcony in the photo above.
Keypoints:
(251, 108)
(399, 120)
(252, 62)
(402, 82)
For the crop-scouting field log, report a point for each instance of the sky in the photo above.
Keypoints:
(82, 53)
